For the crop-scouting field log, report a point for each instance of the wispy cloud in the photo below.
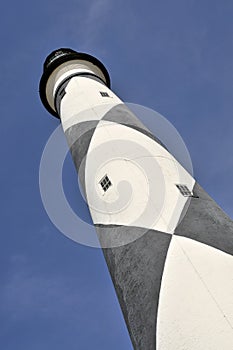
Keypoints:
(88, 26)
(28, 293)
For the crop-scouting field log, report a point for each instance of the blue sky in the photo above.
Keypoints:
(175, 57)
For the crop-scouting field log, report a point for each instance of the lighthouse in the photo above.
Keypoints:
(168, 246)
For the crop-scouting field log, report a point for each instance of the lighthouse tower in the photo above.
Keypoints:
(167, 244)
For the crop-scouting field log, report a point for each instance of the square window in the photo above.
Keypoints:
(184, 190)
(105, 183)
(104, 94)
